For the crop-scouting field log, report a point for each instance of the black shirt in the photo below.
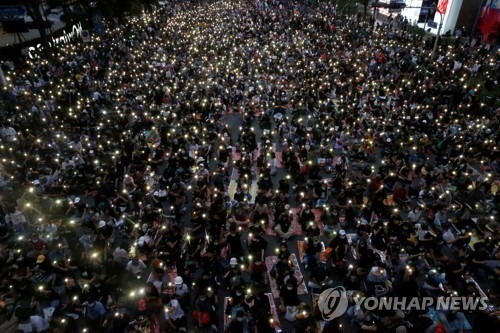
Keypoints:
(290, 297)
(256, 246)
(284, 221)
(303, 324)
(319, 273)
(235, 246)
(307, 217)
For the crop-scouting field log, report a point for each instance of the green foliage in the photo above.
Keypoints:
(347, 6)
(122, 8)
(416, 31)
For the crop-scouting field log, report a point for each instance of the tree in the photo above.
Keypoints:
(120, 8)
(365, 7)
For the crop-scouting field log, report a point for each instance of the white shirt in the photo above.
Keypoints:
(174, 311)
(448, 236)
(136, 269)
(36, 324)
(181, 290)
(39, 323)
(96, 95)
(414, 216)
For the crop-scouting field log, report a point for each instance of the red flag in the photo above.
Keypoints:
(442, 6)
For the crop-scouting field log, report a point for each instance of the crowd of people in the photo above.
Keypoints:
(211, 165)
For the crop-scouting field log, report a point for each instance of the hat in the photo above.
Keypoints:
(200, 159)
(102, 224)
(287, 207)
(178, 280)
(40, 259)
(342, 233)
(36, 182)
(233, 261)
(77, 200)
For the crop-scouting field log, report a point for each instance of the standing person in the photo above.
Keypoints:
(289, 299)
(256, 245)
(181, 292)
(178, 195)
(94, 314)
(233, 240)
(204, 312)
(174, 315)
(135, 267)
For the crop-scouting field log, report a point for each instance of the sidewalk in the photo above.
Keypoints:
(8, 39)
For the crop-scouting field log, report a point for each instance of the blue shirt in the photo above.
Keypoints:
(94, 311)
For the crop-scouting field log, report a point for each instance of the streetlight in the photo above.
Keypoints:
(441, 17)
(434, 49)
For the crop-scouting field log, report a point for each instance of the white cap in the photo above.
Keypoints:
(77, 200)
(200, 159)
(342, 233)
(102, 224)
(233, 261)
(36, 182)
(178, 280)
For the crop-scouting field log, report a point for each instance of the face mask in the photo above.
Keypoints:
(257, 263)
(232, 266)
(232, 234)
(240, 319)
(239, 293)
(202, 298)
(289, 288)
